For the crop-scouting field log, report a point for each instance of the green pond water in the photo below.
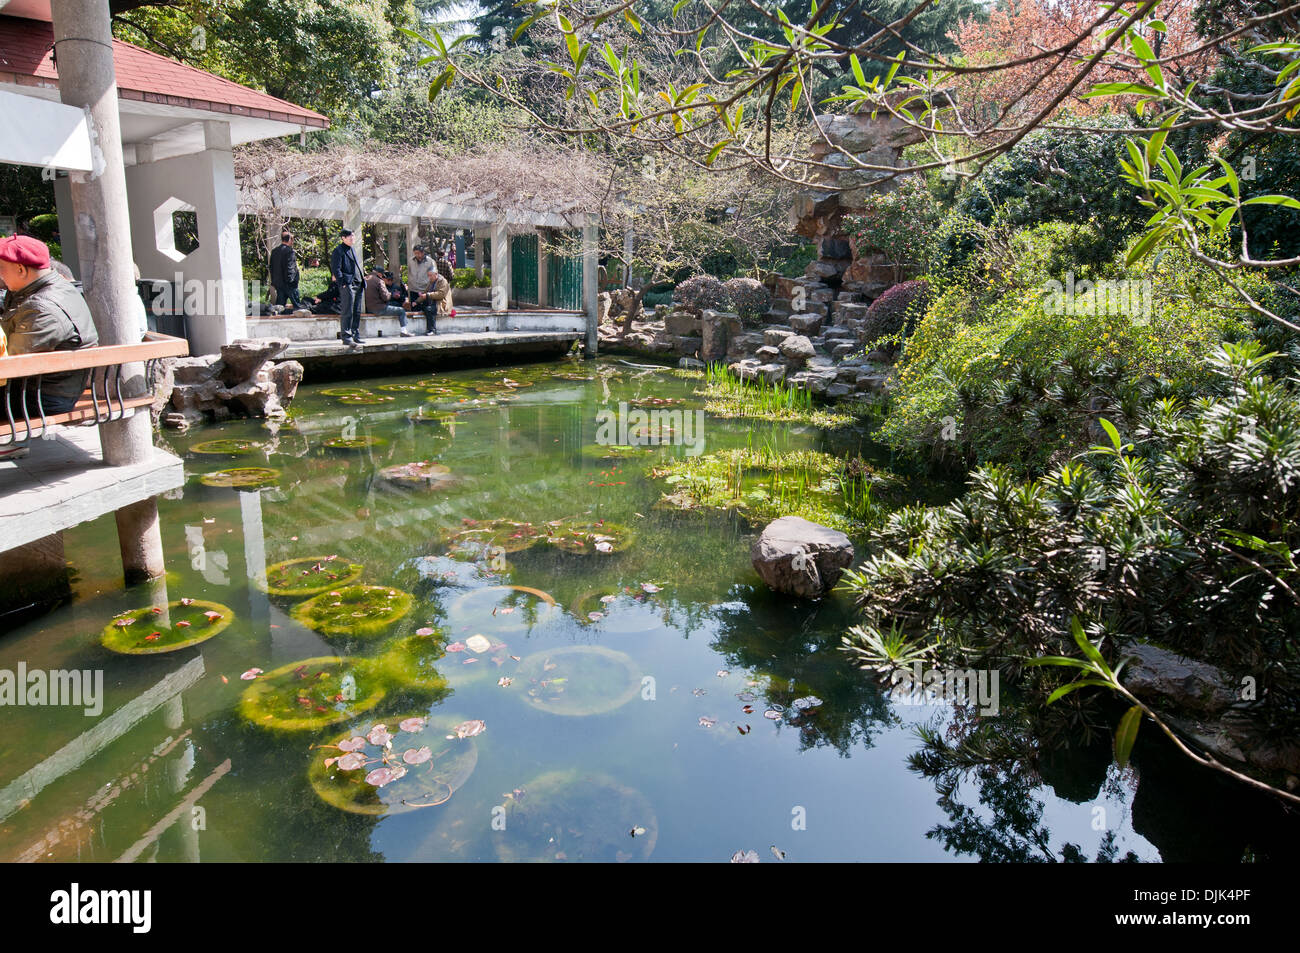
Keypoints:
(611, 687)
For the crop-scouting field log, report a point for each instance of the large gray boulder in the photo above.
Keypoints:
(801, 558)
(1163, 678)
(797, 349)
(242, 359)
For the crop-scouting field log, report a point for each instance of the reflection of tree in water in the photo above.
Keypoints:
(795, 645)
(1003, 756)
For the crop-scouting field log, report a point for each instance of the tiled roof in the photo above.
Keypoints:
(27, 59)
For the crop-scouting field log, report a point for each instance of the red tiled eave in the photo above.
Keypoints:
(27, 59)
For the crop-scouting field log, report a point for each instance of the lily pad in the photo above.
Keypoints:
(183, 623)
(228, 447)
(366, 400)
(432, 766)
(429, 415)
(345, 391)
(579, 680)
(419, 475)
(356, 611)
(309, 575)
(400, 388)
(246, 478)
(312, 694)
(351, 444)
(573, 816)
(411, 663)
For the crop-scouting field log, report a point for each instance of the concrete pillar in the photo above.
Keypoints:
(478, 252)
(352, 220)
(591, 283)
(628, 243)
(412, 239)
(222, 231)
(67, 224)
(394, 251)
(87, 79)
(500, 267)
(544, 237)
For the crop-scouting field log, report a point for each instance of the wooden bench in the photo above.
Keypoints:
(102, 400)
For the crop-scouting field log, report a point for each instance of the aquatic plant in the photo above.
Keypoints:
(309, 575)
(354, 443)
(600, 537)
(400, 388)
(311, 694)
(354, 611)
(478, 538)
(613, 451)
(246, 478)
(155, 630)
(345, 391)
(579, 680)
(394, 766)
(577, 816)
(729, 396)
(226, 447)
(366, 399)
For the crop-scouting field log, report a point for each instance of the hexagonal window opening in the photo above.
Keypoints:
(176, 228)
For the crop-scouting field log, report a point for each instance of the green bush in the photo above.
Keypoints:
(998, 325)
(700, 292)
(44, 227)
(747, 297)
(897, 223)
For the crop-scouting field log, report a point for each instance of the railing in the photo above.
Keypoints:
(102, 399)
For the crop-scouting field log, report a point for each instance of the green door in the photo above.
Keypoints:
(565, 274)
(523, 269)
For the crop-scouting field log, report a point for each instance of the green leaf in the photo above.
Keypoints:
(1111, 432)
(1082, 683)
(632, 20)
(1086, 646)
(716, 151)
(1284, 200)
(1126, 734)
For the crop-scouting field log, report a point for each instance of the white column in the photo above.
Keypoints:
(478, 252)
(412, 239)
(591, 282)
(500, 267)
(394, 251)
(544, 237)
(223, 232)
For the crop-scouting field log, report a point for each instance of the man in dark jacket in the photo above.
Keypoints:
(345, 268)
(284, 271)
(43, 311)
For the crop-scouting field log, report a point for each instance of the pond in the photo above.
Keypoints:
(429, 618)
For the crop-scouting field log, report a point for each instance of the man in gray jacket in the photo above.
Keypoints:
(43, 311)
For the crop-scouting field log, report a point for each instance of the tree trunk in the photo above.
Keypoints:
(633, 310)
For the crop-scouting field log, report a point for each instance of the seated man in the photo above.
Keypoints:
(43, 312)
(378, 299)
(396, 290)
(328, 302)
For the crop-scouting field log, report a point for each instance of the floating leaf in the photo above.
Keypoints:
(707, 722)
(478, 644)
(743, 731)
(777, 852)
(424, 631)
(637, 831)
(745, 857)
(807, 702)
(468, 729)
(456, 647)
(417, 755)
(251, 674)
(351, 761)
(412, 724)
(650, 587)
(352, 744)
(504, 681)
(379, 777)
(722, 673)
(772, 715)
(379, 736)
(595, 616)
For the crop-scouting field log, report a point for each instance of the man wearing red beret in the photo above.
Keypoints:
(43, 312)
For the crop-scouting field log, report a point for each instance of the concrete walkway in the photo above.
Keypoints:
(63, 482)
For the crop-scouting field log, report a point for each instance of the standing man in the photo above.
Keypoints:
(420, 274)
(284, 271)
(345, 268)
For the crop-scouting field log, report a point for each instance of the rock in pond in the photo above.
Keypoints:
(801, 558)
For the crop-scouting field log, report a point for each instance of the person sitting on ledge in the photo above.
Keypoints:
(43, 312)
(379, 300)
(327, 302)
(396, 290)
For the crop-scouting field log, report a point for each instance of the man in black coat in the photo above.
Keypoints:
(284, 271)
(345, 268)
